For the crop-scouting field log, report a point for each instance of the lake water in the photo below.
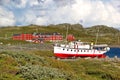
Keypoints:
(113, 52)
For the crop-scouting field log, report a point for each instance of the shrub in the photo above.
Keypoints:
(31, 72)
(8, 68)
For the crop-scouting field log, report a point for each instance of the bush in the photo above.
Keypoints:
(31, 72)
(8, 68)
(32, 67)
(22, 57)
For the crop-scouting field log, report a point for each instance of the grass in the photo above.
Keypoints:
(13, 42)
(8, 68)
(33, 66)
(96, 70)
(106, 34)
(40, 65)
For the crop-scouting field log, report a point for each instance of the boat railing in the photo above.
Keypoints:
(101, 47)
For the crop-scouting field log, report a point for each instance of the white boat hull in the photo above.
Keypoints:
(72, 52)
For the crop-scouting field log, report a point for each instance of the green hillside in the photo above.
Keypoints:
(106, 34)
(20, 60)
(40, 65)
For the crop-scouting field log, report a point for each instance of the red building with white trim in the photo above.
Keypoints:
(26, 37)
(39, 37)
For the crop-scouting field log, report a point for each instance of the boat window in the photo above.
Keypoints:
(67, 49)
(63, 49)
(87, 50)
(74, 50)
(99, 48)
(71, 49)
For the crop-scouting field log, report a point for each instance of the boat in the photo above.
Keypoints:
(76, 49)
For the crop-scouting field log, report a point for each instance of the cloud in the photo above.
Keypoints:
(20, 3)
(44, 12)
(6, 17)
(87, 11)
(15, 3)
(4, 2)
(41, 21)
(116, 4)
(61, 3)
(90, 12)
(104, 13)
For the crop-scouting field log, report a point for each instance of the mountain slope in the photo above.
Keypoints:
(106, 34)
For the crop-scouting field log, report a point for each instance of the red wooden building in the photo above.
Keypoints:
(70, 37)
(25, 37)
(39, 37)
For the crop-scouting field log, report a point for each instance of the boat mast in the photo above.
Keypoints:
(97, 36)
(66, 34)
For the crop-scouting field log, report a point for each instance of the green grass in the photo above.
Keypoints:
(12, 42)
(107, 35)
(96, 70)
(41, 65)
(8, 68)
(33, 66)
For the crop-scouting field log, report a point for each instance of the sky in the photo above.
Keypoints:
(45, 12)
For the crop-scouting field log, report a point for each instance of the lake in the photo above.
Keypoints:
(113, 52)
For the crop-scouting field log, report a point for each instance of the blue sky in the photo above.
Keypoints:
(45, 12)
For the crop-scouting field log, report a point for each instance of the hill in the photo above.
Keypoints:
(20, 60)
(106, 34)
(31, 64)
(102, 29)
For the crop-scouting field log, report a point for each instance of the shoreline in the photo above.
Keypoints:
(114, 46)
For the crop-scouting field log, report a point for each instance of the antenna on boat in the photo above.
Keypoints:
(66, 34)
(118, 37)
(97, 36)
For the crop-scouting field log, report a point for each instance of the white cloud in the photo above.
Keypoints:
(41, 21)
(116, 4)
(91, 12)
(6, 17)
(87, 12)
(31, 17)
(33, 2)
(19, 3)
(22, 4)
(3, 2)
(104, 14)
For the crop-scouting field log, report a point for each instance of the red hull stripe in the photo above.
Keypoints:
(77, 55)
